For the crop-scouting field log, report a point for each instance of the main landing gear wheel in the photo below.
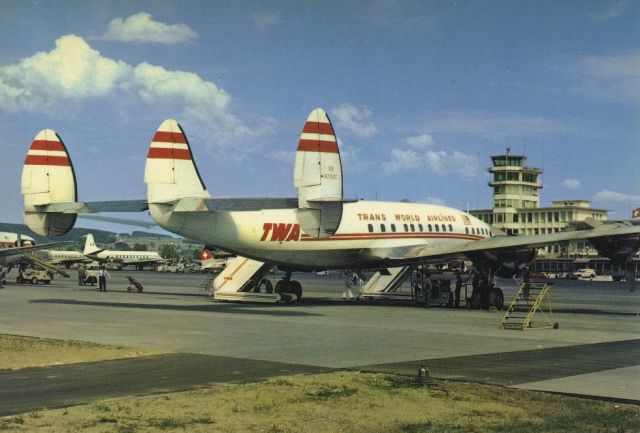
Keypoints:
(498, 299)
(294, 287)
(264, 286)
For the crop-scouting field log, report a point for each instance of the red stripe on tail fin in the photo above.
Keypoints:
(47, 145)
(165, 153)
(169, 137)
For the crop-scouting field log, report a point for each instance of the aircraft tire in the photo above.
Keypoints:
(498, 299)
(265, 286)
(281, 286)
(296, 288)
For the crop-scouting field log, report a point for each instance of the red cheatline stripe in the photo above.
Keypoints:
(317, 146)
(164, 153)
(318, 128)
(169, 137)
(46, 145)
(47, 160)
(367, 236)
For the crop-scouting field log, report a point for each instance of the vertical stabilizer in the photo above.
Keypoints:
(170, 172)
(48, 177)
(90, 246)
(318, 170)
(318, 177)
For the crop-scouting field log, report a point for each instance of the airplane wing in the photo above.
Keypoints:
(22, 250)
(422, 252)
(125, 221)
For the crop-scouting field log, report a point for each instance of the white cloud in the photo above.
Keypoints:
(571, 183)
(402, 160)
(614, 78)
(419, 141)
(352, 159)
(614, 10)
(436, 161)
(353, 120)
(142, 28)
(265, 20)
(435, 200)
(613, 196)
(73, 71)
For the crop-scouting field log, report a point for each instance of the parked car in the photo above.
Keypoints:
(586, 273)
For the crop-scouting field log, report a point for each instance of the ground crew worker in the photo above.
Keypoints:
(456, 298)
(81, 275)
(102, 279)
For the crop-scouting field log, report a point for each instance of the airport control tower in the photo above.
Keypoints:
(515, 187)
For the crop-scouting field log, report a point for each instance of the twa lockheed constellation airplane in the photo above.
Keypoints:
(316, 230)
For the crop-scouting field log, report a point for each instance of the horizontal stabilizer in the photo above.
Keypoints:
(232, 204)
(329, 200)
(116, 220)
(92, 207)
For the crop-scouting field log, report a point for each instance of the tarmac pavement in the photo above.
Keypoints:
(594, 352)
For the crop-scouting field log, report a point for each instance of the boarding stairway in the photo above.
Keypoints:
(43, 264)
(530, 299)
(384, 284)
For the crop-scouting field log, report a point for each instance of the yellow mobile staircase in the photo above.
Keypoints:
(531, 298)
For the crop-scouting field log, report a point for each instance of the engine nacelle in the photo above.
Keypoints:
(504, 263)
(618, 249)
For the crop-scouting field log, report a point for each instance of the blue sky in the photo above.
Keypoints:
(420, 93)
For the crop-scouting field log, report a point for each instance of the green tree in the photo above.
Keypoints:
(140, 247)
(168, 251)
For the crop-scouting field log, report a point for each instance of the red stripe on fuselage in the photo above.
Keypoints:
(317, 146)
(165, 153)
(318, 128)
(169, 137)
(47, 160)
(359, 236)
(46, 145)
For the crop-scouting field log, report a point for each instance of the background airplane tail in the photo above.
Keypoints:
(90, 246)
(48, 177)
(170, 172)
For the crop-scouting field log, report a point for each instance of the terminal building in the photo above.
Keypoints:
(516, 206)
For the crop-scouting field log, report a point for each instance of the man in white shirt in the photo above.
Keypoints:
(102, 279)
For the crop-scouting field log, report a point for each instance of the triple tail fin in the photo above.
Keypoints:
(48, 177)
(170, 172)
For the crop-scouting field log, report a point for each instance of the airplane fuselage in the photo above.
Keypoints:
(366, 230)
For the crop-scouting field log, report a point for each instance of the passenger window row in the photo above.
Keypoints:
(411, 228)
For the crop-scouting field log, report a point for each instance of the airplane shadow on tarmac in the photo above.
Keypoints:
(226, 308)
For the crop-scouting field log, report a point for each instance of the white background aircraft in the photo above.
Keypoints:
(316, 230)
(124, 258)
